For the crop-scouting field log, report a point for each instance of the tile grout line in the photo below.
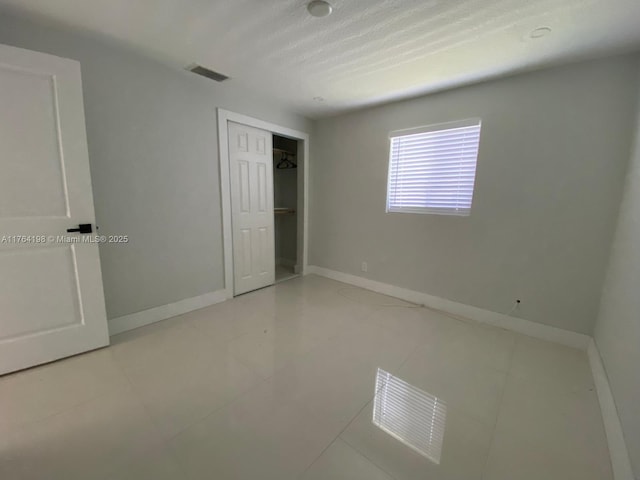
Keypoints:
(500, 403)
(151, 418)
(339, 435)
(332, 441)
(373, 462)
(12, 428)
(340, 432)
(262, 380)
(166, 441)
(233, 355)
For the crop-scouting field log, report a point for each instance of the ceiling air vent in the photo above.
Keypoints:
(205, 72)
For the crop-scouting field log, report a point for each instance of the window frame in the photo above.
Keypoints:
(469, 122)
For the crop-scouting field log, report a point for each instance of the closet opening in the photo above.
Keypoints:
(285, 201)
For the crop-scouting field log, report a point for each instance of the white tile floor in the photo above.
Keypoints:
(280, 384)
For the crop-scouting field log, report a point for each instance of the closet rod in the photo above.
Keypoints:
(279, 150)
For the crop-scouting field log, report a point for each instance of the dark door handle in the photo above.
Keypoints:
(82, 228)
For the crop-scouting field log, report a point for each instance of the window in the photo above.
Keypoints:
(433, 169)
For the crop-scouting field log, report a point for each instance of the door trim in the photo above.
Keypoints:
(224, 117)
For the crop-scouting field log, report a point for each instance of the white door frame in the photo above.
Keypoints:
(225, 116)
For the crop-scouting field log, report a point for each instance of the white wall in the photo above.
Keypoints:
(553, 155)
(154, 164)
(617, 331)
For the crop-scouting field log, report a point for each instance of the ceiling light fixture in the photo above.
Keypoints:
(540, 32)
(319, 8)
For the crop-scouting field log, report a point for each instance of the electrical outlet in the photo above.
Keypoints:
(364, 266)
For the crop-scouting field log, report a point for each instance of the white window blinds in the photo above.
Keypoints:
(433, 169)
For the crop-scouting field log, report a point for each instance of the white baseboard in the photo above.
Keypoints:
(155, 314)
(526, 327)
(618, 452)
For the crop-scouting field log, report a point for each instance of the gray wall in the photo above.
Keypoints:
(154, 164)
(617, 331)
(553, 154)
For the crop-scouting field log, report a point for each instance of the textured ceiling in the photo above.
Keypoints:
(366, 52)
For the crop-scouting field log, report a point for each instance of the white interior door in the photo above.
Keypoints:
(251, 174)
(51, 297)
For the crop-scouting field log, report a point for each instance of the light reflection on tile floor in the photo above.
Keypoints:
(280, 383)
(410, 415)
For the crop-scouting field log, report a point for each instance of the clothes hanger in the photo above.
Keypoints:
(285, 163)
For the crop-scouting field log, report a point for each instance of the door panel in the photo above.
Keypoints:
(26, 162)
(251, 173)
(51, 297)
(261, 144)
(264, 252)
(61, 308)
(245, 188)
(244, 253)
(262, 188)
